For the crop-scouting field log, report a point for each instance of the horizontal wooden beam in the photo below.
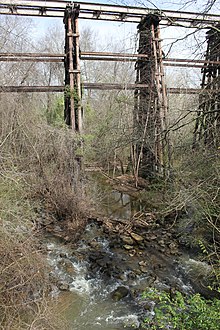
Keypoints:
(31, 55)
(112, 86)
(96, 86)
(189, 60)
(56, 8)
(117, 55)
(53, 60)
(102, 56)
(31, 89)
(30, 59)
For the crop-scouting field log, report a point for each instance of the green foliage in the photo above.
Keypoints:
(71, 93)
(182, 313)
(90, 112)
(56, 112)
(202, 247)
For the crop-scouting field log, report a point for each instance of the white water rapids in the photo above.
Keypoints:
(89, 305)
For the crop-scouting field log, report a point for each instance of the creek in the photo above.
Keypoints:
(100, 280)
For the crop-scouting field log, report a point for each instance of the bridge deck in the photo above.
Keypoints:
(56, 8)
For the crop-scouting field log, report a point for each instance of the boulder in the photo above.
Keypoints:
(120, 293)
(143, 269)
(127, 240)
(128, 247)
(136, 237)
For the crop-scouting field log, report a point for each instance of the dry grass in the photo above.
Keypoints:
(24, 282)
(38, 170)
(46, 159)
(22, 279)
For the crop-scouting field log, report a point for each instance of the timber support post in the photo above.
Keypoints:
(151, 154)
(207, 127)
(72, 93)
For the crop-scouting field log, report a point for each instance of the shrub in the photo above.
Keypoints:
(24, 283)
(182, 313)
(38, 169)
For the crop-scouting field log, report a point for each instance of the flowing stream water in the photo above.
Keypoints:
(85, 299)
(88, 304)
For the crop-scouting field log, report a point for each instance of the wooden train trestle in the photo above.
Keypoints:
(150, 144)
(207, 128)
(72, 94)
(151, 147)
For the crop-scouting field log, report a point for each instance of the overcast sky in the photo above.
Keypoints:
(124, 34)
